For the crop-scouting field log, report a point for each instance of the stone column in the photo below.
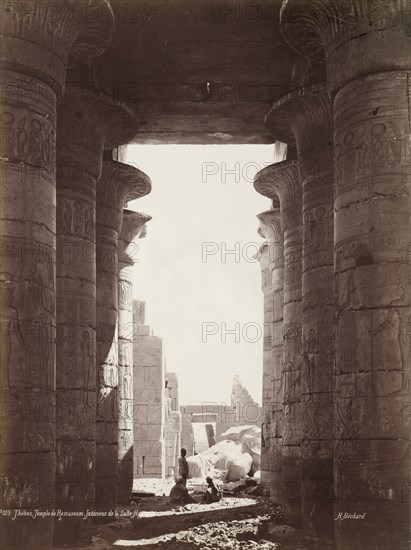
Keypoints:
(365, 45)
(133, 227)
(272, 263)
(88, 122)
(118, 184)
(280, 182)
(39, 40)
(303, 119)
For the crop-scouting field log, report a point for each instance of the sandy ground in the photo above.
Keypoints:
(236, 522)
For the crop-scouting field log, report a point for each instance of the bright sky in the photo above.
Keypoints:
(203, 205)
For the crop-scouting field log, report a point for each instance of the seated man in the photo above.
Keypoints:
(179, 493)
(213, 491)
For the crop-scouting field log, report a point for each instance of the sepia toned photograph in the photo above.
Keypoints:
(205, 274)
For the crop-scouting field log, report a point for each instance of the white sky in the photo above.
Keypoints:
(195, 201)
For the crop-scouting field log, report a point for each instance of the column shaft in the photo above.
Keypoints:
(133, 227)
(107, 355)
(280, 181)
(365, 45)
(87, 123)
(303, 118)
(125, 366)
(272, 264)
(37, 44)
(28, 227)
(372, 235)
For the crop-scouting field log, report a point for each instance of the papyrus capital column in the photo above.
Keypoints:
(303, 118)
(365, 45)
(37, 40)
(133, 228)
(89, 122)
(272, 265)
(280, 182)
(41, 39)
(118, 184)
(355, 38)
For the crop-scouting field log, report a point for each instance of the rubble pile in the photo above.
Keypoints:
(234, 457)
(224, 535)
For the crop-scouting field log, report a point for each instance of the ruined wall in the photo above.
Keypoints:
(149, 399)
(247, 411)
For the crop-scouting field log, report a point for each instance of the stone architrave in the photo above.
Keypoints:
(39, 41)
(88, 122)
(303, 119)
(366, 47)
(133, 227)
(273, 274)
(118, 184)
(280, 182)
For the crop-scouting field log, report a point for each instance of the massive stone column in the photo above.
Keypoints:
(272, 266)
(118, 184)
(303, 119)
(263, 258)
(366, 47)
(88, 122)
(133, 227)
(39, 40)
(280, 182)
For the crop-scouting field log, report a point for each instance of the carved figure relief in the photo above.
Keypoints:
(386, 342)
(31, 140)
(76, 218)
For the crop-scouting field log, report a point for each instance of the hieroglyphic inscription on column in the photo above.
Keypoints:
(27, 281)
(273, 349)
(85, 117)
(280, 181)
(303, 118)
(365, 44)
(119, 182)
(372, 236)
(133, 227)
(37, 38)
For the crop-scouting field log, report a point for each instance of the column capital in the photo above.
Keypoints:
(302, 117)
(89, 106)
(133, 227)
(118, 184)
(270, 225)
(280, 180)
(271, 251)
(354, 37)
(90, 121)
(40, 39)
